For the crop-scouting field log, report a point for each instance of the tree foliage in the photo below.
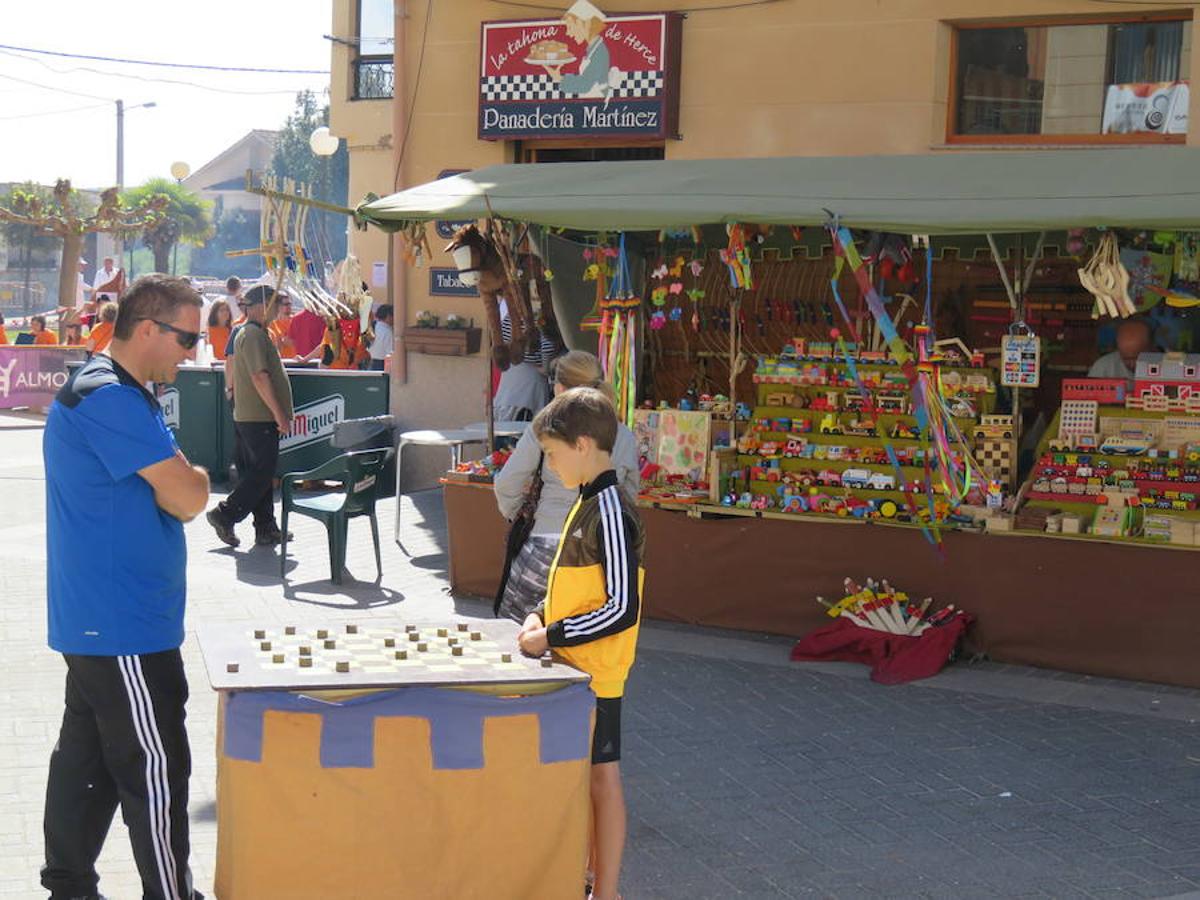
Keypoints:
(185, 218)
(67, 214)
(329, 176)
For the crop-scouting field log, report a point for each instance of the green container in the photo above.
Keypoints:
(321, 398)
(192, 408)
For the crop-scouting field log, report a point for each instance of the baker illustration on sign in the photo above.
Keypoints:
(597, 77)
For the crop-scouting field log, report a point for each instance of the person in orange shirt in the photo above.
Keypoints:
(220, 320)
(74, 335)
(41, 335)
(3, 333)
(280, 327)
(99, 336)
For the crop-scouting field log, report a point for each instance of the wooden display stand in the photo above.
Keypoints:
(1077, 604)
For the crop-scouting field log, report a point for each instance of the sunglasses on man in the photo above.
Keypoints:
(186, 339)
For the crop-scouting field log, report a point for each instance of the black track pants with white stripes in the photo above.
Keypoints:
(123, 741)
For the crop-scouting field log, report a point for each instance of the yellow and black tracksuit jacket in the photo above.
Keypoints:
(592, 608)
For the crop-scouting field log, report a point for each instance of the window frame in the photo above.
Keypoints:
(359, 59)
(1035, 140)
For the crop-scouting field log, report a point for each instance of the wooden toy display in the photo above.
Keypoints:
(812, 448)
(1123, 464)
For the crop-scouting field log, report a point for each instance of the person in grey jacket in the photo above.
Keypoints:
(526, 586)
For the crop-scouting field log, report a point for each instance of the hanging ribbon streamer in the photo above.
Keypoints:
(618, 336)
(933, 536)
(939, 433)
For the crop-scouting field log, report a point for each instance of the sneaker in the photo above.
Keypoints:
(272, 538)
(224, 530)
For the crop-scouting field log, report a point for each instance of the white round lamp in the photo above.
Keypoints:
(180, 170)
(322, 142)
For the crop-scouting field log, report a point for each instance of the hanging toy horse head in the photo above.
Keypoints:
(480, 265)
(475, 255)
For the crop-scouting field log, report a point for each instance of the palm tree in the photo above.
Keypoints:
(186, 218)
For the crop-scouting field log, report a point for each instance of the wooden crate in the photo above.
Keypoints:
(443, 341)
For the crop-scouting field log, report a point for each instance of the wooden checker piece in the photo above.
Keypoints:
(373, 655)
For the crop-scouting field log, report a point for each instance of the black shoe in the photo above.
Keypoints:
(272, 538)
(224, 531)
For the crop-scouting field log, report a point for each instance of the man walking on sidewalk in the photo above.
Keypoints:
(262, 414)
(117, 485)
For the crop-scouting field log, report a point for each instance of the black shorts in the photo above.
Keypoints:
(606, 739)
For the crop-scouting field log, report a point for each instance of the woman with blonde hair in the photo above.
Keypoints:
(527, 488)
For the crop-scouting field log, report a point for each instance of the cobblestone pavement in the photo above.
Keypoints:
(746, 776)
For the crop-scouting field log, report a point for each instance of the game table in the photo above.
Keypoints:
(397, 758)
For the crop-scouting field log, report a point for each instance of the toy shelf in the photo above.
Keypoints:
(796, 464)
(769, 487)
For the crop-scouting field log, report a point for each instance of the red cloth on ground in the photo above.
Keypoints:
(894, 658)
(306, 331)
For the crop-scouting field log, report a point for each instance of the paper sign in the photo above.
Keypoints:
(1021, 360)
(379, 274)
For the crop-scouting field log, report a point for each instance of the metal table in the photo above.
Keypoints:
(455, 439)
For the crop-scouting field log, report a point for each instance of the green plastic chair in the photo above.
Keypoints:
(358, 473)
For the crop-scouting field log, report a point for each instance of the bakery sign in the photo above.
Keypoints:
(586, 74)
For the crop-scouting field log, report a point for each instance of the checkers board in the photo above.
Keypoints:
(372, 654)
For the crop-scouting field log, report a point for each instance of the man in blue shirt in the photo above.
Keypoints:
(117, 485)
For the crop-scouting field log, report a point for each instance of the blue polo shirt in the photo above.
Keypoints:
(116, 580)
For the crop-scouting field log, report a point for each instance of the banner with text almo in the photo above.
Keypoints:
(563, 78)
(31, 376)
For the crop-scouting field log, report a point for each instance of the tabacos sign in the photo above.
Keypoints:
(447, 283)
(586, 74)
(314, 422)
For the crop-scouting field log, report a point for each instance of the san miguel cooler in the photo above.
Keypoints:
(197, 410)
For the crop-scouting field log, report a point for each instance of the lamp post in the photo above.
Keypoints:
(120, 242)
(179, 171)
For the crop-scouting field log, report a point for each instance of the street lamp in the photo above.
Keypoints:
(323, 142)
(120, 243)
(179, 171)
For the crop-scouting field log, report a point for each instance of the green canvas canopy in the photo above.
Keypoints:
(959, 192)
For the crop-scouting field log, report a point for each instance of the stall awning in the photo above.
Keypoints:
(962, 192)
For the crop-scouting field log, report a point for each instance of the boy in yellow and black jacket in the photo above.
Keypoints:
(592, 610)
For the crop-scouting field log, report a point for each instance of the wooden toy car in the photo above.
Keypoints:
(795, 448)
(855, 478)
(829, 478)
(830, 425)
(861, 428)
(881, 481)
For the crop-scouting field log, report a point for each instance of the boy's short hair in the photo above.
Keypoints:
(579, 412)
(233, 284)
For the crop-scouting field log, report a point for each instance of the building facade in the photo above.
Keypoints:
(413, 80)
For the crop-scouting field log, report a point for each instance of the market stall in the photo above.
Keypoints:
(812, 401)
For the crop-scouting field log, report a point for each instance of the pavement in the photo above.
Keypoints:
(746, 775)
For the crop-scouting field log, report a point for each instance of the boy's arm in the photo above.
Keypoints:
(619, 561)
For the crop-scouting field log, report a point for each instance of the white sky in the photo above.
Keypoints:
(189, 123)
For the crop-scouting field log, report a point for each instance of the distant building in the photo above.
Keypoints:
(223, 177)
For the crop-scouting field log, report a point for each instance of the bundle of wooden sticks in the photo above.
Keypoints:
(880, 607)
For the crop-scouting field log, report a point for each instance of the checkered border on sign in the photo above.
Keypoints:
(499, 88)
